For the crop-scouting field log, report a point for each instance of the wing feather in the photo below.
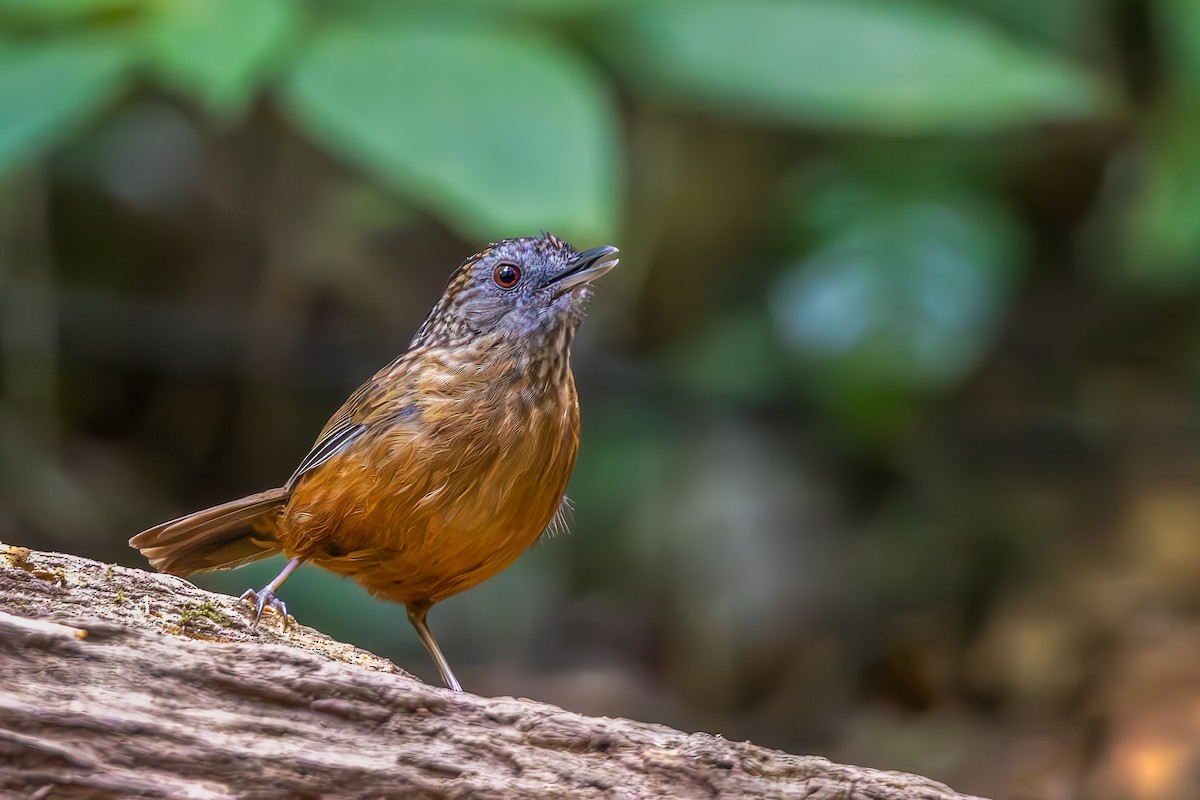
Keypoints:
(328, 446)
(374, 403)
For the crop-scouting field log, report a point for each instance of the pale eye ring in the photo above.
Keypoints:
(506, 275)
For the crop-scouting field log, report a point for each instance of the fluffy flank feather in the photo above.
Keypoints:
(560, 523)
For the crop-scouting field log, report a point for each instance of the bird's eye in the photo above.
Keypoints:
(506, 275)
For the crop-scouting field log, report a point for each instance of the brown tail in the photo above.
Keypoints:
(221, 537)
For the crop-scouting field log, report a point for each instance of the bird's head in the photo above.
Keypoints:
(527, 287)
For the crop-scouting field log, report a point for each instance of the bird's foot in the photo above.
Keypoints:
(261, 600)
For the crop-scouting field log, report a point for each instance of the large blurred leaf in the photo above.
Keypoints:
(59, 10)
(50, 89)
(879, 65)
(902, 295)
(387, 9)
(218, 50)
(1071, 23)
(502, 132)
(551, 7)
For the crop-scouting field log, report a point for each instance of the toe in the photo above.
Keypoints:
(281, 607)
(263, 599)
(261, 604)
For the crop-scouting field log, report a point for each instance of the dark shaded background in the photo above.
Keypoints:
(890, 428)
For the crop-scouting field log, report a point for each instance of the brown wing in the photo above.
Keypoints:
(381, 399)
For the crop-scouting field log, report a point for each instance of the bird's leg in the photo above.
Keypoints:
(266, 596)
(416, 615)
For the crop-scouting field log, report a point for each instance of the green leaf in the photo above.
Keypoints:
(50, 89)
(218, 51)
(555, 9)
(1075, 24)
(549, 7)
(876, 65)
(903, 295)
(62, 10)
(499, 131)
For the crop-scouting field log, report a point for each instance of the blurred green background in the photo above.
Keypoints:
(891, 414)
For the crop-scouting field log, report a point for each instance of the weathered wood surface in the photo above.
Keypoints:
(120, 683)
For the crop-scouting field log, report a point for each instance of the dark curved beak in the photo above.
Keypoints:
(586, 267)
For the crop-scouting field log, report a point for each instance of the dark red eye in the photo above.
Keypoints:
(506, 275)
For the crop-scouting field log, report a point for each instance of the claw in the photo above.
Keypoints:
(261, 600)
(266, 596)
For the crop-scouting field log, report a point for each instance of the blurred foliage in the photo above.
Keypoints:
(902, 285)
(890, 412)
(540, 147)
(888, 66)
(508, 162)
(217, 51)
(85, 71)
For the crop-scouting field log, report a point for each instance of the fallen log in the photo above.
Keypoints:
(115, 683)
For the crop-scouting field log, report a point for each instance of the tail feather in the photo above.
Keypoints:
(221, 537)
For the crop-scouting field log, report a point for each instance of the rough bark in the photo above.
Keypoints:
(120, 683)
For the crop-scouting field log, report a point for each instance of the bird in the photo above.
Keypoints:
(439, 471)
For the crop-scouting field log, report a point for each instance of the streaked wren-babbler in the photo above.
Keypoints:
(442, 468)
